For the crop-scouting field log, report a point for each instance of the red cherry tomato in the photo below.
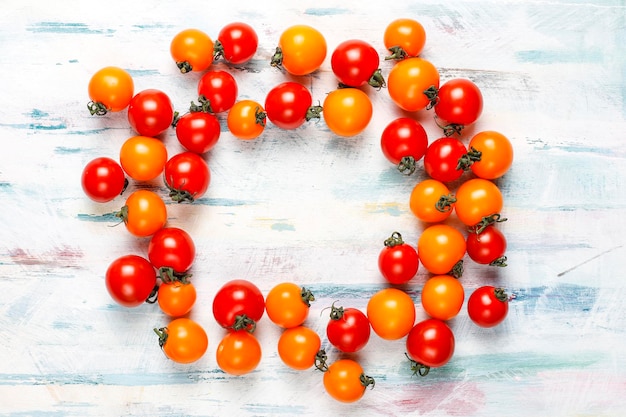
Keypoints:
(404, 142)
(198, 131)
(487, 247)
(398, 261)
(430, 344)
(355, 63)
(150, 112)
(103, 179)
(219, 89)
(488, 306)
(287, 105)
(238, 304)
(348, 329)
(236, 42)
(443, 159)
(187, 176)
(459, 102)
(172, 247)
(130, 280)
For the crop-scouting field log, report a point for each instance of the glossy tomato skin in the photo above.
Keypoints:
(344, 380)
(440, 248)
(398, 261)
(287, 304)
(430, 343)
(391, 313)
(236, 298)
(144, 213)
(198, 132)
(172, 247)
(103, 179)
(349, 331)
(183, 340)
(150, 112)
(404, 137)
(488, 306)
(238, 42)
(407, 34)
(407, 81)
(220, 89)
(347, 111)
(459, 101)
(110, 89)
(301, 50)
(238, 353)
(176, 298)
(496, 154)
(354, 62)
(298, 347)
(192, 50)
(287, 104)
(476, 199)
(431, 201)
(130, 280)
(442, 297)
(246, 119)
(441, 161)
(143, 157)
(486, 247)
(187, 176)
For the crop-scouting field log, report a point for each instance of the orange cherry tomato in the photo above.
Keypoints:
(246, 119)
(347, 111)
(183, 340)
(301, 50)
(176, 298)
(440, 247)
(143, 158)
(391, 313)
(496, 154)
(144, 213)
(238, 353)
(287, 304)
(192, 50)
(442, 297)
(298, 347)
(478, 200)
(345, 381)
(404, 38)
(431, 201)
(110, 89)
(407, 81)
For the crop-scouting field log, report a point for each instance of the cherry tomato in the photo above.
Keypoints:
(192, 50)
(246, 120)
(143, 158)
(430, 344)
(172, 247)
(198, 131)
(130, 280)
(301, 50)
(404, 38)
(176, 298)
(183, 340)
(398, 261)
(287, 304)
(407, 81)
(238, 304)
(442, 297)
(236, 42)
(219, 90)
(238, 353)
(298, 347)
(103, 179)
(404, 142)
(187, 176)
(355, 63)
(347, 111)
(110, 90)
(287, 105)
(478, 200)
(441, 248)
(391, 313)
(345, 381)
(459, 102)
(443, 160)
(488, 306)
(431, 201)
(496, 154)
(150, 112)
(144, 213)
(348, 329)
(487, 247)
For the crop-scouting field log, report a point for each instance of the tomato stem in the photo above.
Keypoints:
(450, 129)
(336, 313)
(366, 381)
(407, 165)
(320, 360)
(259, 116)
(152, 298)
(167, 274)
(314, 112)
(307, 296)
(457, 269)
(432, 94)
(394, 240)
(204, 106)
(500, 294)
(178, 195)
(162, 333)
(377, 80)
(466, 160)
(277, 58)
(418, 368)
(243, 322)
(486, 221)
(184, 67)
(218, 50)
(97, 109)
(501, 262)
(123, 214)
(397, 53)
(444, 204)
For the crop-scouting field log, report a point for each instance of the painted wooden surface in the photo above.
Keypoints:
(314, 208)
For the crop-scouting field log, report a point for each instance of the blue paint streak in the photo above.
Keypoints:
(37, 114)
(223, 202)
(564, 298)
(142, 73)
(283, 227)
(326, 11)
(537, 56)
(62, 27)
(63, 150)
(107, 217)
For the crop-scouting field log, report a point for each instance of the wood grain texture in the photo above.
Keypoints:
(313, 208)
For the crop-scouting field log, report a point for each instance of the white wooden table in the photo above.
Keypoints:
(309, 207)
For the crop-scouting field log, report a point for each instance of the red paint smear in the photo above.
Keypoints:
(64, 257)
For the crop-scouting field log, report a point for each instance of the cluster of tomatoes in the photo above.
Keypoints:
(163, 277)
